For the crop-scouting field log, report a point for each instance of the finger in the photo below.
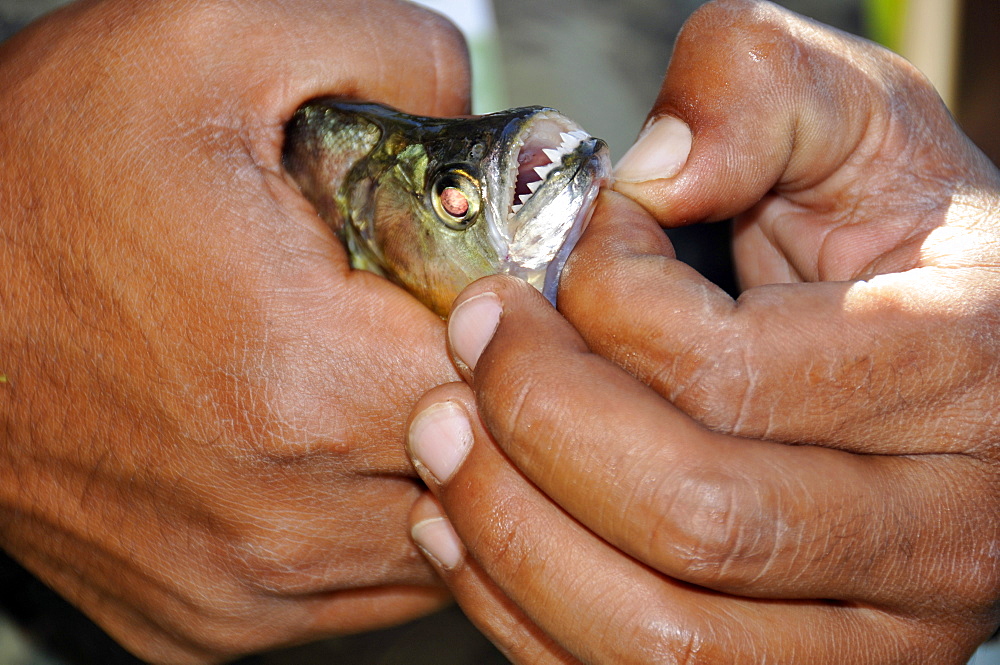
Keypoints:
(392, 52)
(604, 607)
(736, 515)
(482, 601)
(865, 366)
(388, 51)
(396, 53)
(793, 132)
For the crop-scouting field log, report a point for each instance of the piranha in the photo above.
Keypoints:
(435, 203)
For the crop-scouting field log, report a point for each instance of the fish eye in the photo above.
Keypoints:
(456, 198)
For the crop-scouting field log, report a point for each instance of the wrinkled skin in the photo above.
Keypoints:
(632, 493)
(202, 422)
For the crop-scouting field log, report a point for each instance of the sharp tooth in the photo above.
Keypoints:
(553, 154)
(544, 171)
(570, 142)
(533, 186)
(515, 208)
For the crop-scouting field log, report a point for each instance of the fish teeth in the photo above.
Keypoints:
(544, 171)
(570, 141)
(554, 154)
(532, 187)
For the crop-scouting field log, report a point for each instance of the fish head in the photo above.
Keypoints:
(435, 204)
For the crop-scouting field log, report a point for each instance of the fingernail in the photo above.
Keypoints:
(439, 439)
(437, 538)
(660, 152)
(471, 327)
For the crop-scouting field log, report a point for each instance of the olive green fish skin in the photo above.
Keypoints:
(427, 202)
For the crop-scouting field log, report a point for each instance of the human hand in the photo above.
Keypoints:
(671, 512)
(203, 407)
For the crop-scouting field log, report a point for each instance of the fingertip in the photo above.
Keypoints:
(427, 72)
(471, 326)
(424, 508)
(450, 54)
(622, 226)
(436, 538)
(439, 439)
(478, 312)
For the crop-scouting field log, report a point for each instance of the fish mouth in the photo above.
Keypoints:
(541, 146)
(554, 171)
(544, 141)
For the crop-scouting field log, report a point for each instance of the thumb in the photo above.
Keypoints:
(757, 99)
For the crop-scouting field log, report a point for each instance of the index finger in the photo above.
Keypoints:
(737, 515)
(856, 365)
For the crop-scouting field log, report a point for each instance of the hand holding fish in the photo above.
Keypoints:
(808, 474)
(202, 404)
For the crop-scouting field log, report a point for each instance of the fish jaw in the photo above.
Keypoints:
(542, 200)
(582, 193)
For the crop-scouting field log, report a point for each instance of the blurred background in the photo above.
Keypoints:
(600, 63)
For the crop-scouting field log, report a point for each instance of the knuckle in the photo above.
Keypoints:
(441, 31)
(971, 581)
(716, 385)
(298, 415)
(233, 635)
(711, 15)
(712, 529)
(188, 24)
(663, 641)
(283, 560)
(448, 51)
(901, 78)
(289, 436)
(523, 394)
(537, 406)
(736, 23)
(213, 627)
(504, 536)
(657, 638)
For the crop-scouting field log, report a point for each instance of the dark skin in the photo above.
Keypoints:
(806, 474)
(204, 406)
